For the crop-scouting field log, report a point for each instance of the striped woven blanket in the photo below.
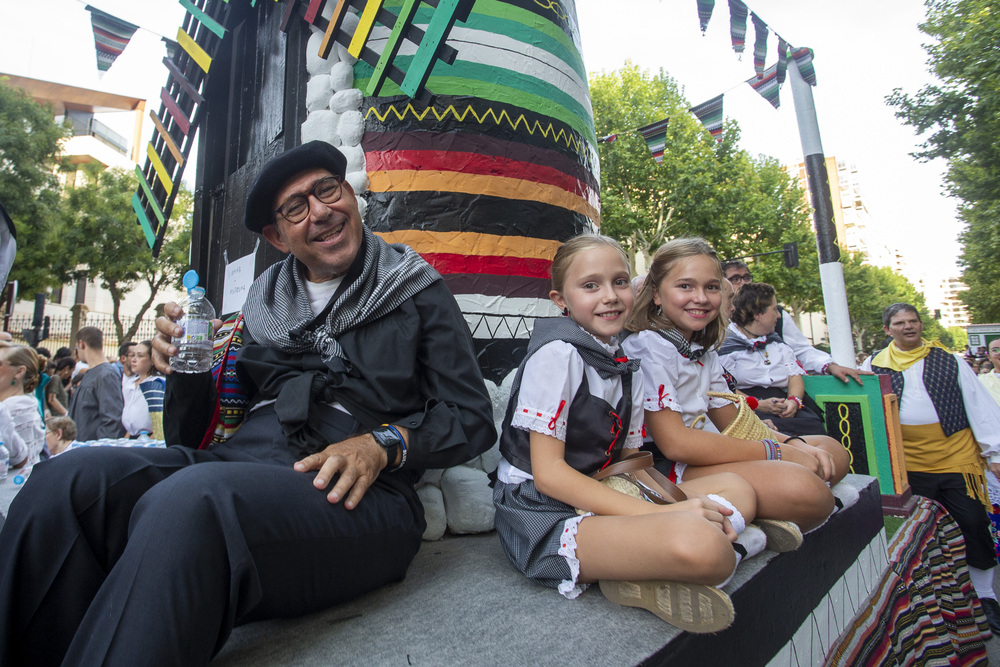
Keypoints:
(924, 611)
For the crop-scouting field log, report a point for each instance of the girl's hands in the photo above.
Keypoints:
(706, 508)
(788, 409)
(814, 458)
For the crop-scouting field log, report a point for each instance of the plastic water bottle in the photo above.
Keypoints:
(4, 461)
(194, 347)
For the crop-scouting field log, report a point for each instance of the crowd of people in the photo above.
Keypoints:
(655, 436)
(48, 402)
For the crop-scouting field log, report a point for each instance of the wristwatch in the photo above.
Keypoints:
(391, 441)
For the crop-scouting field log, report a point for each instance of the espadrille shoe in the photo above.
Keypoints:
(781, 535)
(691, 607)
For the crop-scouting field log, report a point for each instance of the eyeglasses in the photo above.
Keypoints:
(739, 278)
(295, 209)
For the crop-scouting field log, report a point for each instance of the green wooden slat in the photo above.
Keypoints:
(149, 197)
(437, 29)
(204, 18)
(147, 229)
(404, 19)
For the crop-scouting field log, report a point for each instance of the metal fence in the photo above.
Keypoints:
(59, 331)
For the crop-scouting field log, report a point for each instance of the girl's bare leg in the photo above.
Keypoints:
(785, 491)
(677, 546)
(730, 486)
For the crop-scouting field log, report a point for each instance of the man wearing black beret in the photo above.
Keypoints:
(290, 483)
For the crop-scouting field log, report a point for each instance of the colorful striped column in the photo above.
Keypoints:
(501, 167)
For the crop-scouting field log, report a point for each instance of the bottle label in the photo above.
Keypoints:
(197, 331)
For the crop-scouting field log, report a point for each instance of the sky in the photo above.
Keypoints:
(864, 49)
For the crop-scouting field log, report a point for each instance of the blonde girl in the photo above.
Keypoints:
(680, 318)
(575, 404)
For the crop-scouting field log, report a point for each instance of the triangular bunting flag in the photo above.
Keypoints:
(738, 25)
(767, 86)
(705, 8)
(804, 59)
(111, 36)
(759, 45)
(782, 60)
(655, 135)
(710, 115)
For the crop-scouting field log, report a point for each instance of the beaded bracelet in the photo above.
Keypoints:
(772, 450)
(796, 400)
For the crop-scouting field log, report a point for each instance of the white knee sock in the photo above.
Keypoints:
(844, 496)
(982, 581)
(739, 523)
(746, 544)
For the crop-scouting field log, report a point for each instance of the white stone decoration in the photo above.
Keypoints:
(318, 92)
(352, 128)
(314, 64)
(468, 500)
(346, 100)
(433, 501)
(322, 126)
(341, 76)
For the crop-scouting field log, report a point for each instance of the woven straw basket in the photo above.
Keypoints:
(746, 425)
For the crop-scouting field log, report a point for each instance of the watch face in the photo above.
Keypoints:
(386, 437)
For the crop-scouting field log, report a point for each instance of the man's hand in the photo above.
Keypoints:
(843, 372)
(995, 469)
(167, 329)
(772, 406)
(357, 460)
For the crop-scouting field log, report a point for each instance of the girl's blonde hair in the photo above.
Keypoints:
(570, 249)
(21, 355)
(647, 315)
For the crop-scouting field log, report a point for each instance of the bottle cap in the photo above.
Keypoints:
(190, 279)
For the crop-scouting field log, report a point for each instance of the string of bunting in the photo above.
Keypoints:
(766, 82)
(738, 13)
(710, 112)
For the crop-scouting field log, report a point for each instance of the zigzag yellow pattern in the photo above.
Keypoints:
(561, 135)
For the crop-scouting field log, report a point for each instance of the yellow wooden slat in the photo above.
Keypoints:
(194, 50)
(364, 27)
(161, 171)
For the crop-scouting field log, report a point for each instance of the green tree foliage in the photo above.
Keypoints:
(962, 117)
(740, 203)
(103, 234)
(869, 290)
(29, 189)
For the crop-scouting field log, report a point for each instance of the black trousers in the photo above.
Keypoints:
(948, 488)
(136, 556)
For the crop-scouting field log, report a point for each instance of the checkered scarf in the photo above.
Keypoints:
(277, 311)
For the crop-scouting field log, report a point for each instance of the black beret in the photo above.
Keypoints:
(316, 154)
